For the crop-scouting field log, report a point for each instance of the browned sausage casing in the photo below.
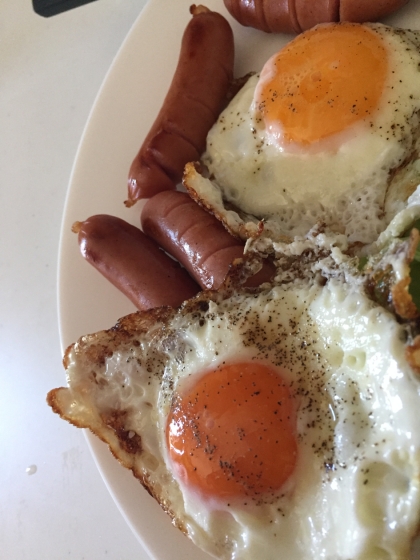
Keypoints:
(294, 16)
(271, 16)
(194, 101)
(133, 263)
(368, 10)
(195, 238)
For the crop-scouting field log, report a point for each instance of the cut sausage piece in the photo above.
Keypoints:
(133, 263)
(368, 10)
(267, 15)
(193, 103)
(282, 16)
(294, 16)
(195, 238)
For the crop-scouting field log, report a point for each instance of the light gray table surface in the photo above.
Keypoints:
(53, 502)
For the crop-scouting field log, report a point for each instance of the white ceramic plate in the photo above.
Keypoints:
(124, 110)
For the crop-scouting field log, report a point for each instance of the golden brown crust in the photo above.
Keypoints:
(121, 332)
(200, 9)
(242, 232)
(76, 227)
(129, 440)
(189, 172)
(241, 225)
(403, 302)
(52, 401)
(412, 355)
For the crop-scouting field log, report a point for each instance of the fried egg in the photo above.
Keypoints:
(261, 419)
(327, 132)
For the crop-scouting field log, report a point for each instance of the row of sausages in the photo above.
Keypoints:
(137, 261)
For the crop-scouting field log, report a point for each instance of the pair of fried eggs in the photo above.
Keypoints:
(283, 421)
(328, 132)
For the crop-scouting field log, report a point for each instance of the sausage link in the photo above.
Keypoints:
(368, 10)
(294, 16)
(268, 15)
(310, 14)
(192, 104)
(133, 263)
(195, 238)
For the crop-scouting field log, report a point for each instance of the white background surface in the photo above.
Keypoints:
(50, 72)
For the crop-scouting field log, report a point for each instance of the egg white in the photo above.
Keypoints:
(358, 442)
(354, 184)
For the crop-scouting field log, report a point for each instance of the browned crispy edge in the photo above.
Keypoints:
(110, 430)
(402, 300)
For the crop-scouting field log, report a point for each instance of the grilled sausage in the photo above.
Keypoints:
(192, 104)
(195, 238)
(133, 263)
(294, 16)
(368, 10)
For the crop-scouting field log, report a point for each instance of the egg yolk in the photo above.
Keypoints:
(324, 81)
(233, 433)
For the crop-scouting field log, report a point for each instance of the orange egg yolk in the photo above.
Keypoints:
(324, 81)
(233, 433)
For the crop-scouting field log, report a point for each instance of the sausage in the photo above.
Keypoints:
(295, 16)
(195, 238)
(368, 10)
(192, 104)
(311, 13)
(133, 263)
(272, 16)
